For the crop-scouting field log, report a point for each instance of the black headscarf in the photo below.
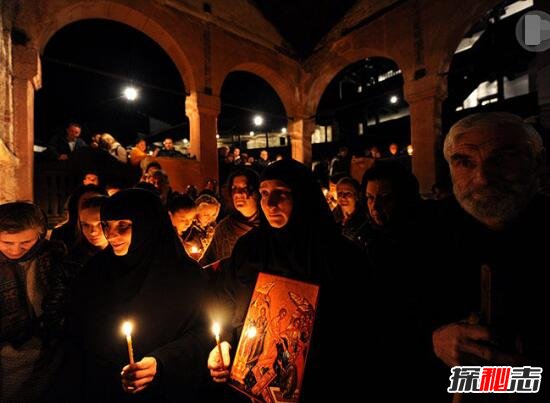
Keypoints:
(308, 248)
(310, 229)
(157, 287)
(152, 232)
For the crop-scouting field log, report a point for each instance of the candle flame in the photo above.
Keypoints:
(216, 328)
(194, 249)
(251, 332)
(127, 328)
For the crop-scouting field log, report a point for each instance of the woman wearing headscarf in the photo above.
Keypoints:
(298, 239)
(67, 232)
(350, 214)
(143, 276)
(243, 216)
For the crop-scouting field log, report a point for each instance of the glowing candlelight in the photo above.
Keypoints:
(251, 332)
(216, 328)
(127, 330)
(195, 252)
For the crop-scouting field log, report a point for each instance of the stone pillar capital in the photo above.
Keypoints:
(204, 104)
(26, 65)
(432, 86)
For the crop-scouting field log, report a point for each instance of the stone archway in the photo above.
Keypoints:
(287, 90)
(281, 86)
(316, 87)
(40, 25)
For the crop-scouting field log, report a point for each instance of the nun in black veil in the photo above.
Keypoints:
(143, 276)
(297, 239)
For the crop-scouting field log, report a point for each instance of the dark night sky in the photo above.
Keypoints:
(94, 99)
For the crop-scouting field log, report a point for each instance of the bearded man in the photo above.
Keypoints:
(495, 161)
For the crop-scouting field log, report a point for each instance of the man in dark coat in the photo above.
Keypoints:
(495, 162)
(61, 146)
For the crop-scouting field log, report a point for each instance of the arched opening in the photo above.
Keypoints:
(252, 116)
(115, 56)
(86, 67)
(363, 106)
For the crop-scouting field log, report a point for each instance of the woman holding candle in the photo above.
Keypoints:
(144, 275)
(298, 239)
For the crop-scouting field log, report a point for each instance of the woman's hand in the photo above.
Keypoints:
(137, 376)
(219, 372)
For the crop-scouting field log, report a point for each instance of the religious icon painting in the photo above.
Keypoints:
(271, 356)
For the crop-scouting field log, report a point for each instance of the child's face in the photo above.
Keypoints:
(16, 245)
(206, 214)
(182, 219)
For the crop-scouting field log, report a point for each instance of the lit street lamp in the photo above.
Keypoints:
(258, 121)
(130, 93)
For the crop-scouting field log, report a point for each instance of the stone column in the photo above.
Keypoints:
(301, 130)
(202, 111)
(26, 80)
(425, 110)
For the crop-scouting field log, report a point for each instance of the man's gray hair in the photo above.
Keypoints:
(493, 120)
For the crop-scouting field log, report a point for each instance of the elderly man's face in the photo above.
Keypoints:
(494, 174)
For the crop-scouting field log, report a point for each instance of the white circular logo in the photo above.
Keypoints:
(533, 31)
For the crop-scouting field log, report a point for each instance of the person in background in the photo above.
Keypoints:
(161, 181)
(182, 212)
(113, 147)
(90, 240)
(393, 150)
(263, 161)
(61, 146)
(66, 232)
(244, 215)
(95, 140)
(237, 158)
(340, 164)
(91, 178)
(350, 212)
(168, 149)
(139, 152)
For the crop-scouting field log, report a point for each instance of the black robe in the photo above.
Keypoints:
(157, 287)
(308, 248)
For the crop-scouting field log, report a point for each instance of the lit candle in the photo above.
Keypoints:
(195, 252)
(216, 330)
(127, 330)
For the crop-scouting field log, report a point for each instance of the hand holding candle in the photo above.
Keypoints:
(216, 330)
(127, 330)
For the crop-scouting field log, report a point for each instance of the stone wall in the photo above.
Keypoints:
(8, 160)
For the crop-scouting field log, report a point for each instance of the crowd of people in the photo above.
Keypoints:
(62, 145)
(404, 268)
